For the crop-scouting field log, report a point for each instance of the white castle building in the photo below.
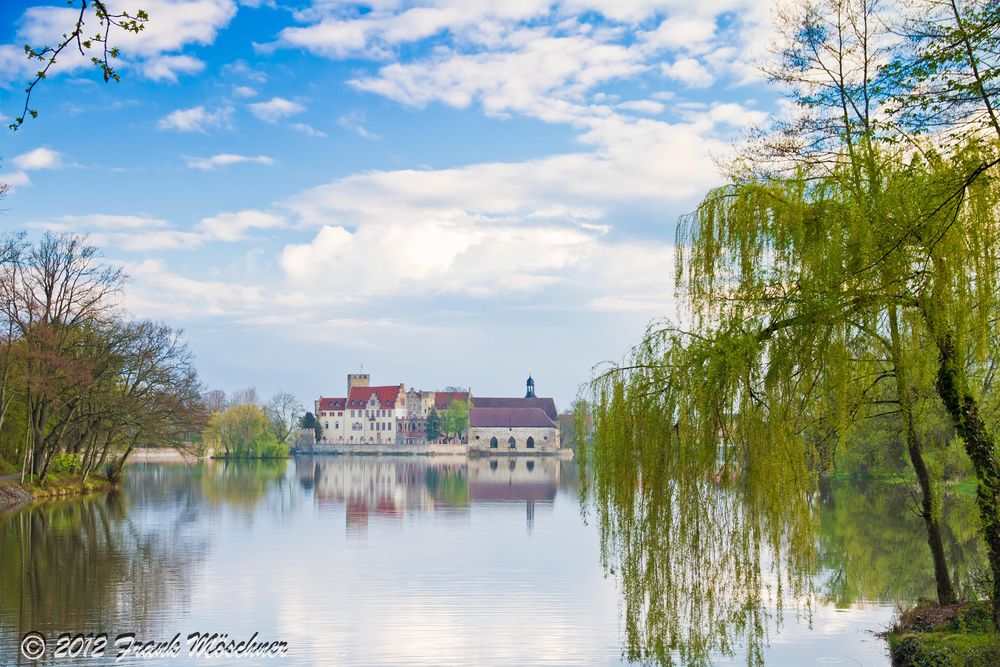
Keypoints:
(392, 414)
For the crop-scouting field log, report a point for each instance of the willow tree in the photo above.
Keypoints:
(843, 245)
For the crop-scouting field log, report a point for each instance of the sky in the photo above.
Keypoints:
(441, 193)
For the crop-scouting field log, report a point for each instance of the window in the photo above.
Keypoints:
(531, 443)
(511, 443)
(336, 425)
(493, 443)
(326, 424)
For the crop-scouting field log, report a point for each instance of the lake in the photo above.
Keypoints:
(403, 561)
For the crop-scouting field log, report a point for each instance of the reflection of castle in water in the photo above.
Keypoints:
(391, 487)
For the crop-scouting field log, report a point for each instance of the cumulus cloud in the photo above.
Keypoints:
(166, 68)
(196, 119)
(39, 158)
(688, 71)
(224, 160)
(275, 109)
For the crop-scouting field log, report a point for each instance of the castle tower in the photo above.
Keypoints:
(530, 393)
(357, 380)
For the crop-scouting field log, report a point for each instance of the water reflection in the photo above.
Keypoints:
(389, 488)
(410, 561)
(873, 546)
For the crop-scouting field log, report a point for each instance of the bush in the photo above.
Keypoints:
(64, 463)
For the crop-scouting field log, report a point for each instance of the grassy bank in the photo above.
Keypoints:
(57, 485)
(931, 635)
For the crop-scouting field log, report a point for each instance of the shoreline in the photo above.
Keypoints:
(430, 449)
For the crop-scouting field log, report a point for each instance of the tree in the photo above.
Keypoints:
(107, 21)
(433, 426)
(284, 411)
(812, 282)
(243, 431)
(308, 420)
(455, 419)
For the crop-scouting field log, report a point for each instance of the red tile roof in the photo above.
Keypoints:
(546, 405)
(509, 417)
(331, 403)
(387, 396)
(442, 399)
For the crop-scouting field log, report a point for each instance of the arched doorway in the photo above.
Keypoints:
(493, 442)
(511, 443)
(531, 442)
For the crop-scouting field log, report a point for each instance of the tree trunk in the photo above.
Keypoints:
(952, 386)
(945, 590)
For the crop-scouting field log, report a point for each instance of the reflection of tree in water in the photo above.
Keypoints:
(697, 573)
(241, 484)
(83, 565)
(885, 559)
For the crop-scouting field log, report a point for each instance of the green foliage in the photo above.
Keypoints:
(65, 462)
(244, 430)
(455, 419)
(964, 637)
(433, 427)
(852, 274)
(308, 420)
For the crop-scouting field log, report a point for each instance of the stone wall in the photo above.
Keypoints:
(392, 449)
(545, 439)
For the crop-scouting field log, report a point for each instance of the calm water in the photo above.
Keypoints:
(407, 561)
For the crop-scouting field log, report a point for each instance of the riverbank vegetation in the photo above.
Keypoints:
(82, 382)
(242, 428)
(841, 305)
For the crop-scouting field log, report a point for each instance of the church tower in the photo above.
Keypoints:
(530, 393)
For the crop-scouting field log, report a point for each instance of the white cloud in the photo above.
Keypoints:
(355, 122)
(688, 71)
(224, 160)
(234, 226)
(651, 107)
(275, 109)
(15, 179)
(39, 158)
(196, 119)
(137, 233)
(523, 78)
(307, 129)
(244, 91)
(166, 68)
(99, 221)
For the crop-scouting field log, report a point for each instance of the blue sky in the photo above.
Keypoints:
(448, 192)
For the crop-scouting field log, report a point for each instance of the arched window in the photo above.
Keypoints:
(326, 424)
(336, 425)
(531, 442)
(493, 442)
(511, 443)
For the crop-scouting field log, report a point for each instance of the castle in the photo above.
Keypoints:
(393, 414)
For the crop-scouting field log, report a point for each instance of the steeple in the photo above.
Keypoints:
(530, 393)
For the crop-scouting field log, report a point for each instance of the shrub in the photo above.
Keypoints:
(64, 463)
